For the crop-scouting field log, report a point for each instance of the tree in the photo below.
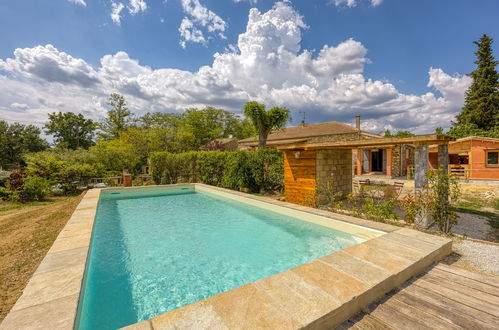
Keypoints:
(481, 108)
(265, 121)
(71, 130)
(387, 133)
(17, 139)
(439, 130)
(117, 119)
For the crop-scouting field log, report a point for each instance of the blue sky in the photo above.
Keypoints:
(396, 44)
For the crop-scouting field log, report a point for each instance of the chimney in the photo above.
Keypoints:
(357, 122)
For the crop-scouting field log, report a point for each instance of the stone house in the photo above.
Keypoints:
(390, 161)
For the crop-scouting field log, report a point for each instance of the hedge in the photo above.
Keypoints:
(257, 171)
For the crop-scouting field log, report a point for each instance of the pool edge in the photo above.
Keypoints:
(392, 256)
(50, 299)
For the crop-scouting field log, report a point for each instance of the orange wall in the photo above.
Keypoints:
(433, 156)
(300, 177)
(478, 161)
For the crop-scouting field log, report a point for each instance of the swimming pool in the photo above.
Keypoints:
(153, 251)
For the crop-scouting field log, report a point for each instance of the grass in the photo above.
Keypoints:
(7, 206)
(27, 231)
(481, 207)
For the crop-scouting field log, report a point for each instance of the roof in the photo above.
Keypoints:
(309, 130)
(272, 143)
(470, 138)
(354, 144)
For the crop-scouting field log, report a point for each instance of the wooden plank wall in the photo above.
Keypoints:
(300, 177)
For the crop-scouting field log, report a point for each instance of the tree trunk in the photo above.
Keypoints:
(262, 138)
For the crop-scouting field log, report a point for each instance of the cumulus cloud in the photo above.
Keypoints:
(353, 3)
(137, 6)
(47, 64)
(116, 8)
(199, 16)
(79, 2)
(267, 64)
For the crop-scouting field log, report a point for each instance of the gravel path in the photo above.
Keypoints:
(482, 256)
(473, 226)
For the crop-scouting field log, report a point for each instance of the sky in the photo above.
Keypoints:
(400, 64)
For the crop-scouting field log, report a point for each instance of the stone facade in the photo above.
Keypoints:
(402, 156)
(335, 167)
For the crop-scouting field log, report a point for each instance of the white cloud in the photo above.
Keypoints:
(267, 64)
(353, 3)
(79, 2)
(189, 33)
(250, 1)
(136, 6)
(199, 16)
(117, 7)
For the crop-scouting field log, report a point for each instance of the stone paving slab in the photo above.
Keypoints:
(51, 296)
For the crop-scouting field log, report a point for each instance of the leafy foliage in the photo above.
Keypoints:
(255, 171)
(265, 121)
(437, 200)
(118, 117)
(67, 169)
(444, 193)
(71, 130)
(480, 114)
(388, 133)
(36, 188)
(17, 139)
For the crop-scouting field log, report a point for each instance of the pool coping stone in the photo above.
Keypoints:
(340, 284)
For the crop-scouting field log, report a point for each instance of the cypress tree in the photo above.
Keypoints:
(481, 108)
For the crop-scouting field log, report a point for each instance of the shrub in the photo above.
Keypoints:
(36, 188)
(268, 169)
(257, 171)
(443, 193)
(411, 208)
(378, 210)
(210, 167)
(239, 172)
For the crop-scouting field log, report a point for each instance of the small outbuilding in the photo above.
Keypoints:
(471, 157)
(309, 165)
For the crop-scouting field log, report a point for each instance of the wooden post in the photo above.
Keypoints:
(359, 161)
(127, 179)
(389, 162)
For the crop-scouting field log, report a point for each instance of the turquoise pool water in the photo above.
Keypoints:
(152, 252)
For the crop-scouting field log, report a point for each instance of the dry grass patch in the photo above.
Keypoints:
(26, 234)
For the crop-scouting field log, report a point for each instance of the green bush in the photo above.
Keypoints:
(36, 188)
(240, 171)
(210, 167)
(257, 171)
(378, 210)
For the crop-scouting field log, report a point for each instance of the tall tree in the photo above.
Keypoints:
(16, 139)
(118, 117)
(265, 121)
(481, 107)
(71, 130)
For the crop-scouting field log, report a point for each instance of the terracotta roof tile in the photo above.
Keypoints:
(327, 128)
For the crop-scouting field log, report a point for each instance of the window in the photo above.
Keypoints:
(493, 158)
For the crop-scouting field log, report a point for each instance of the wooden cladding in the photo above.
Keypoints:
(300, 177)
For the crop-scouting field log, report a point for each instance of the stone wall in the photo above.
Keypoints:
(396, 162)
(335, 167)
